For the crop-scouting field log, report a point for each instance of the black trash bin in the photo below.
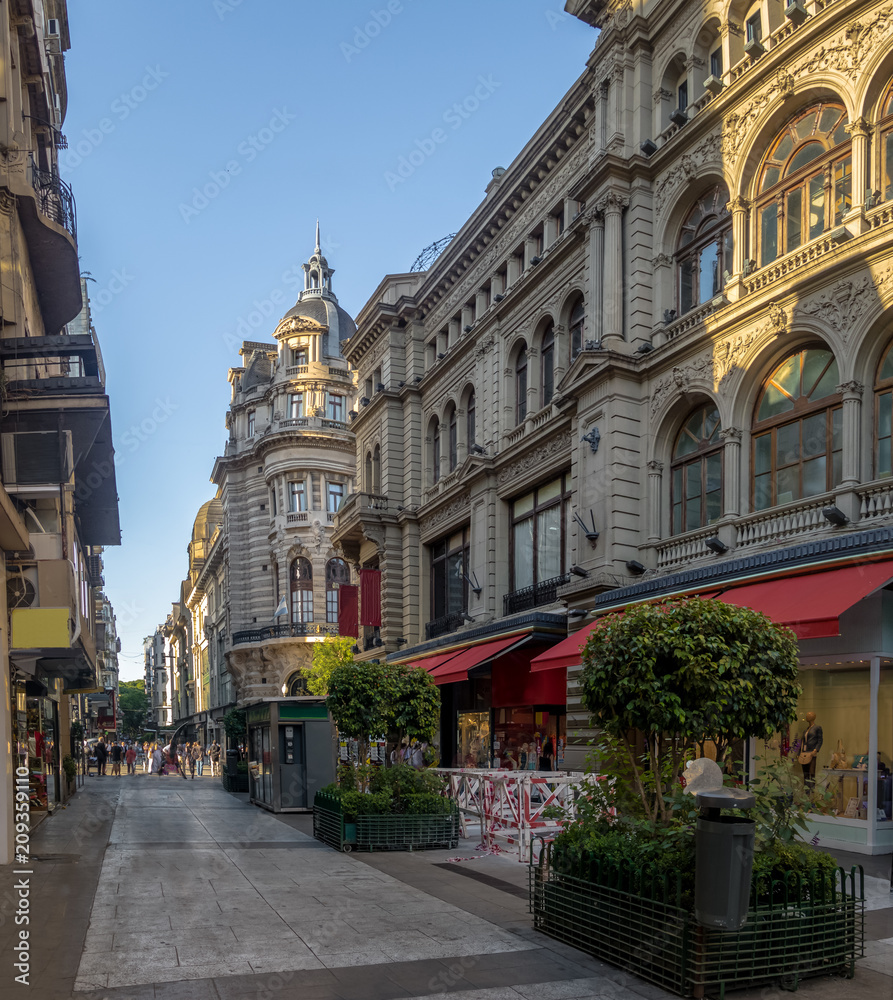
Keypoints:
(723, 859)
(232, 759)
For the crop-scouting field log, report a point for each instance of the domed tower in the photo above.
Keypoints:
(288, 465)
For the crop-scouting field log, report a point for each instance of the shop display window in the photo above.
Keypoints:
(35, 748)
(260, 756)
(520, 736)
(473, 742)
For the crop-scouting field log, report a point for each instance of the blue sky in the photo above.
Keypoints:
(205, 138)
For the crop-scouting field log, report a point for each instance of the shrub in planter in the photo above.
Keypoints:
(70, 767)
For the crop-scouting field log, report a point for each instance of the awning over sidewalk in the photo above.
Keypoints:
(812, 603)
(430, 663)
(809, 603)
(456, 667)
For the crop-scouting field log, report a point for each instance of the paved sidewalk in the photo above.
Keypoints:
(167, 889)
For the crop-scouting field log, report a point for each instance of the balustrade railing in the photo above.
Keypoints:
(779, 525)
(54, 197)
(295, 630)
(527, 598)
(682, 549)
(444, 625)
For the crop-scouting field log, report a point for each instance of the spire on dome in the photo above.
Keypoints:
(317, 273)
(318, 250)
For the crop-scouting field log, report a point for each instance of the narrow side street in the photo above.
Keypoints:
(159, 888)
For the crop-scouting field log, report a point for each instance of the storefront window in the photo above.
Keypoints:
(521, 737)
(35, 743)
(261, 764)
(473, 739)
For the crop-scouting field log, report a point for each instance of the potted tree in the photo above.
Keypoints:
(385, 807)
(618, 881)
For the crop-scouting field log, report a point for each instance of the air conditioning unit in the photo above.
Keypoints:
(21, 587)
(678, 117)
(754, 48)
(713, 84)
(54, 28)
(36, 458)
(795, 12)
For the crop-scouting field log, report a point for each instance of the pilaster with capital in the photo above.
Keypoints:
(859, 131)
(852, 414)
(731, 471)
(655, 480)
(738, 206)
(613, 206)
(596, 273)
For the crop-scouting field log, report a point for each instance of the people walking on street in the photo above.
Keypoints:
(189, 758)
(198, 752)
(116, 751)
(130, 757)
(101, 751)
(156, 760)
(214, 756)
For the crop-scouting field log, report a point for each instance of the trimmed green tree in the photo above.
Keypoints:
(332, 652)
(414, 704)
(682, 672)
(134, 704)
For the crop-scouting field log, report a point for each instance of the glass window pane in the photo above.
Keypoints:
(523, 554)
(549, 492)
(814, 476)
(887, 179)
(814, 435)
(843, 189)
(709, 273)
(837, 428)
(763, 454)
(769, 233)
(887, 365)
(693, 480)
(774, 401)
(455, 583)
(762, 492)
(522, 506)
(884, 414)
(787, 444)
(687, 285)
(814, 363)
(840, 134)
(677, 518)
(793, 220)
(693, 513)
(828, 383)
(787, 485)
(806, 125)
(548, 544)
(783, 150)
(787, 375)
(816, 206)
(770, 177)
(805, 154)
(713, 474)
(829, 119)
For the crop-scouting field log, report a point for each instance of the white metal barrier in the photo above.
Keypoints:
(511, 805)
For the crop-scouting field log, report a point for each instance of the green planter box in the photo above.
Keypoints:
(382, 833)
(633, 919)
(235, 782)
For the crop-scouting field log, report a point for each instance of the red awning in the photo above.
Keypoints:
(431, 663)
(565, 653)
(810, 603)
(456, 667)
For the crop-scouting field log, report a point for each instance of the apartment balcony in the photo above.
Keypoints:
(445, 624)
(528, 598)
(295, 630)
(49, 221)
(358, 510)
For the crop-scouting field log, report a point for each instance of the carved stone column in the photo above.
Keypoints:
(655, 480)
(731, 471)
(852, 415)
(614, 204)
(738, 207)
(533, 381)
(596, 304)
(859, 130)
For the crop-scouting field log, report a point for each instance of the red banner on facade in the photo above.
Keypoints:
(348, 624)
(370, 597)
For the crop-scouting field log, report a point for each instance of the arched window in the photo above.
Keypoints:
(301, 585)
(337, 572)
(376, 470)
(806, 181)
(435, 450)
(521, 384)
(883, 462)
(886, 143)
(547, 368)
(577, 317)
(470, 429)
(453, 439)
(704, 250)
(696, 490)
(368, 473)
(296, 685)
(797, 431)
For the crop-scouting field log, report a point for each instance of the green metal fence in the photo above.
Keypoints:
(381, 833)
(636, 919)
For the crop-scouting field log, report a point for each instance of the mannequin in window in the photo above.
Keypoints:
(811, 743)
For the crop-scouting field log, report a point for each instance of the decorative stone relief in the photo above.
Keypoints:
(539, 456)
(446, 513)
(662, 260)
(845, 302)
(708, 149)
(299, 324)
(662, 95)
(852, 388)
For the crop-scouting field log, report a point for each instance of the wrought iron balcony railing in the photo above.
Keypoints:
(444, 624)
(289, 631)
(544, 592)
(54, 197)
